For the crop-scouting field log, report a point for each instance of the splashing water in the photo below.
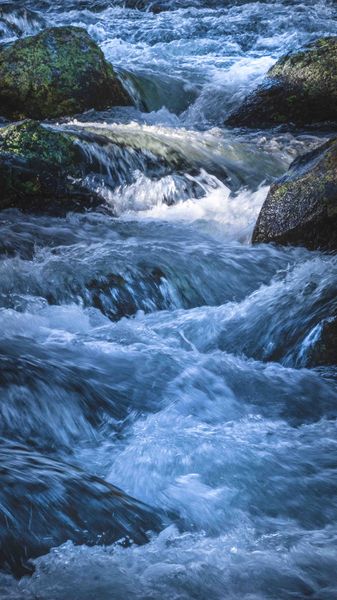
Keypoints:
(151, 345)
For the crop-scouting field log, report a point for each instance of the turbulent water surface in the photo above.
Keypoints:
(155, 347)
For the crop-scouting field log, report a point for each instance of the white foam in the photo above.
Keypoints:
(229, 216)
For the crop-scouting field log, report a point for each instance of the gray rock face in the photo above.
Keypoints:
(301, 88)
(301, 207)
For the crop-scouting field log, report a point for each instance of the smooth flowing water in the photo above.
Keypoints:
(156, 348)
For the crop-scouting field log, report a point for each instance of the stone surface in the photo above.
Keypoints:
(41, 169)
(323, 351)
(44, 503)
(301, 88)
(60, 71)
(301, 207)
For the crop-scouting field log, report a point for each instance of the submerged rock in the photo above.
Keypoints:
(60, 71)
(54, 169)
(48, 169)
(44, 503)
(301, 88)
(301, 207)
(323, 350)
(41, 169)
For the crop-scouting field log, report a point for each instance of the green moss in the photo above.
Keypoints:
(35, 164)
(292, 99)
(57, 72)
(279, 118)
(301, 208)
(32, 141)
(31, 187)
(300, 88)
(315, 68)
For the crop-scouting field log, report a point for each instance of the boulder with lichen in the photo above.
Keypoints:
(60, 71)
(41, 169)
(301, 207)
(301, 88)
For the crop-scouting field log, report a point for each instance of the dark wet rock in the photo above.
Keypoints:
(301, 88)
(41, 169)
(54, 169)
(44, 503)
(60, 71)
(57, 168)
(322, 342)
(301, 207)
(117, 297)
(51, 169)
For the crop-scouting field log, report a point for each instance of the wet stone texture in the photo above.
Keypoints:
(38, 169)
(301, 88)
(59, 71)
(324, 350)
(45, 502)
(301, 207)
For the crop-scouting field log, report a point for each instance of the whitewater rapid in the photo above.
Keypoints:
(151, 344)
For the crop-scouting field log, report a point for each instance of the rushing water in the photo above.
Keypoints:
(154, 347)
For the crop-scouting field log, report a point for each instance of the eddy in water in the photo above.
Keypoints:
(168, 312)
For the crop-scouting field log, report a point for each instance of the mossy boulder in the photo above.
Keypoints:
(41, 169)
(301, 207)
(60, 71)
(301, 88)
(57, 168)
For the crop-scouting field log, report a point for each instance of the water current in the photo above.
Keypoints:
(152, 345)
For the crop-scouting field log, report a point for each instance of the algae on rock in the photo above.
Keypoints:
(60, 71)
(301, 207)
(301, 88)
(41, 169)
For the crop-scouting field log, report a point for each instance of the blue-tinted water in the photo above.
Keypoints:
(157, 348)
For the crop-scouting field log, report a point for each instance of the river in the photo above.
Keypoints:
(189, 385)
